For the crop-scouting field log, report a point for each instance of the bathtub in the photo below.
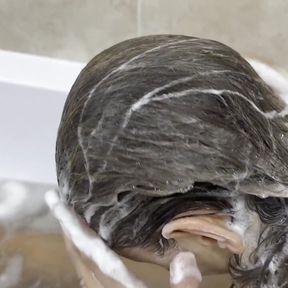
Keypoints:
(33, 91)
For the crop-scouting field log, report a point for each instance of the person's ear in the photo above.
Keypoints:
(210, 229)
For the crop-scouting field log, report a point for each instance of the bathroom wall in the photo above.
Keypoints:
(77, 30)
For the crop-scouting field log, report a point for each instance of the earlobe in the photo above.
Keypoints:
(211, 229)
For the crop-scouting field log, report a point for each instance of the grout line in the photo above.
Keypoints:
(139, 17)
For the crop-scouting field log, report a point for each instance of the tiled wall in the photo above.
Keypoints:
(78, 29)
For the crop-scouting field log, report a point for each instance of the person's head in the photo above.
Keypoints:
(170, 143)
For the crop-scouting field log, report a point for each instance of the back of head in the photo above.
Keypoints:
(160, 125)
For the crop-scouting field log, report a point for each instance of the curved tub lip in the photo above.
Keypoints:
(23, 69)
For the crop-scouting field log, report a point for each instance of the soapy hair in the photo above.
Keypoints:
(160, 125)
(269, 261)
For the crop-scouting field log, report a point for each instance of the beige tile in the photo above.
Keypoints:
(71, 29)
(257, 28)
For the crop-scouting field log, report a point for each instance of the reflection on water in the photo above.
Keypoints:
(32, 252)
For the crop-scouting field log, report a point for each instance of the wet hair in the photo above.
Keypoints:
(160, 125)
